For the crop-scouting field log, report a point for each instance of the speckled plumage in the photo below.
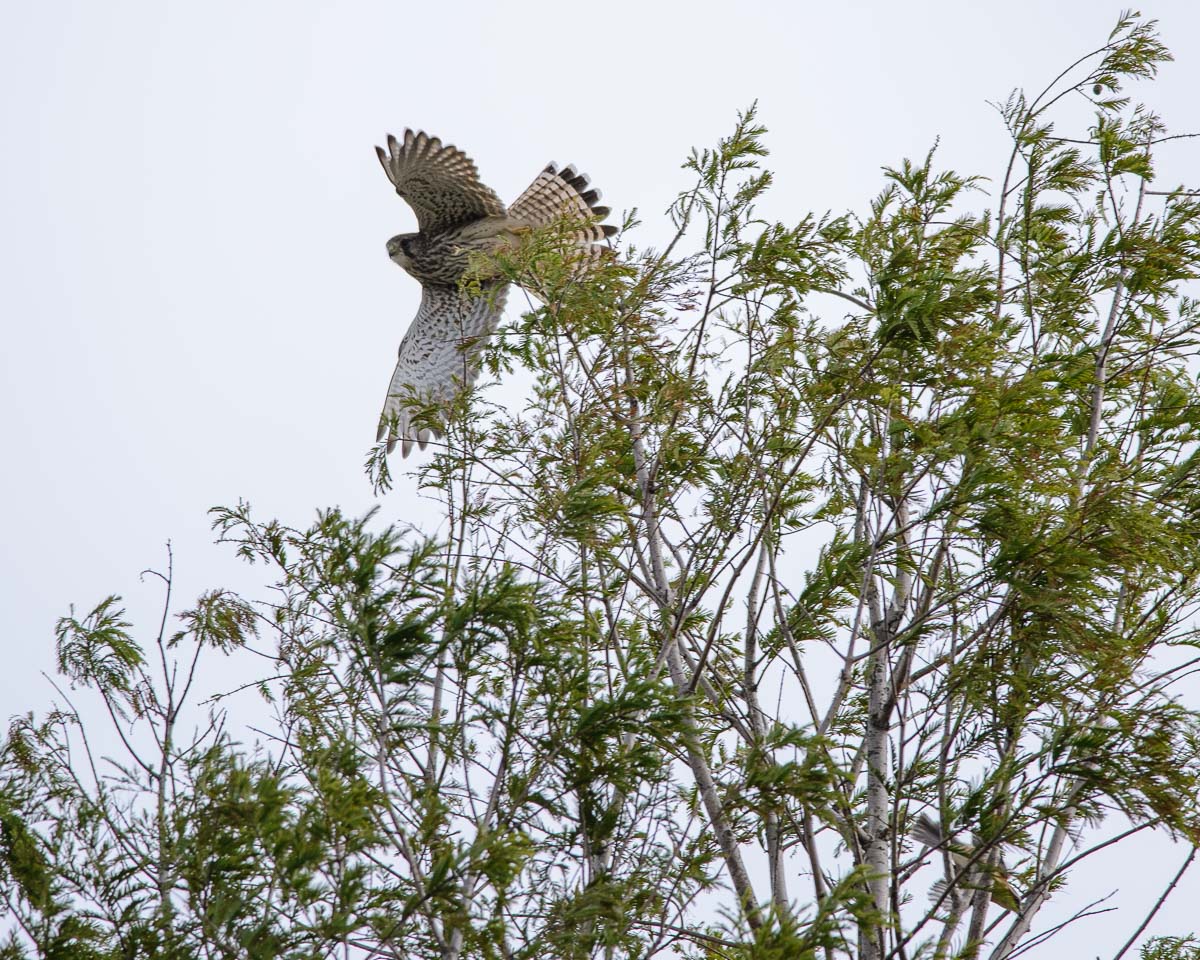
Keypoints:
(457, 214)
(436, 354)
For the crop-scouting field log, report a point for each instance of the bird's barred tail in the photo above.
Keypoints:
(557, 194)
(926, 831)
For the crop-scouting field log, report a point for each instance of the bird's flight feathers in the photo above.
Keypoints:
(439, 181)
(437, 356)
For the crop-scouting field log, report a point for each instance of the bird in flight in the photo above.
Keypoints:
(458, 215)
(968, 863)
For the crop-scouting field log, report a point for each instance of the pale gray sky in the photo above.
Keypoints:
(196, 301)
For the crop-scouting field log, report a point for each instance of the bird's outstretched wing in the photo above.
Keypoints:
(437, 356)
(438, 181)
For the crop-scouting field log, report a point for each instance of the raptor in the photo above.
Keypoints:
(456, 216)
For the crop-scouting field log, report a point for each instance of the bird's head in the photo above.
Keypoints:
(399, 250)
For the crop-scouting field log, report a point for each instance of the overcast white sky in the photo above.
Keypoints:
(195, 297)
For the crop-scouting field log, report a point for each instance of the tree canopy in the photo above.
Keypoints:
(830, 598)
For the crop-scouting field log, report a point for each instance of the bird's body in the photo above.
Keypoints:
(456, 217)
(444, 257)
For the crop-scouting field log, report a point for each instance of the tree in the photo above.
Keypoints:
(827, 560)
